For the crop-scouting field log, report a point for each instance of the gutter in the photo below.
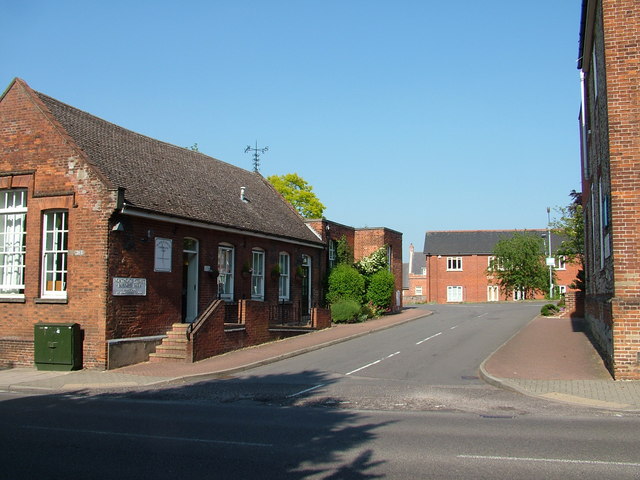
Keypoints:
(133, 212)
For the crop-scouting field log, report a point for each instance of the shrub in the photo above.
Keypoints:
(549, 310)
(345, 282)
(380, 290)
(345, 311)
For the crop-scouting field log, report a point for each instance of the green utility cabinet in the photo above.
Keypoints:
(57, 346)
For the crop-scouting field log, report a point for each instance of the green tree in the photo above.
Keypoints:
(298, 193)
(380, 289)
(518, 264)
(571, 226)
(345, 282)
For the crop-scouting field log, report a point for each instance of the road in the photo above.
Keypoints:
(402, 403)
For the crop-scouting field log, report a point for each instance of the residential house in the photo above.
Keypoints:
(147, 246)
(415, 277)
(608, 59)
(457, 264)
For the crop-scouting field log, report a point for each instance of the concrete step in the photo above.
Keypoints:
(170, 348)
(161, 357)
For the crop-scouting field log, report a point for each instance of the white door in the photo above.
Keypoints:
(493, 293)
(190, 280)
(454, 294)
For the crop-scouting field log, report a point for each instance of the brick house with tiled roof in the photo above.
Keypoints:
(457, 263)
(147, 246)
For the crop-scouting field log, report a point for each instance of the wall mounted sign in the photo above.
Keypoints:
(136, 287)
(162, 257)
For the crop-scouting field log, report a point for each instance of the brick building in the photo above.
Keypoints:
(147, 246)
(608, 59)
(363, 241)
(457, 262)
(414, 274)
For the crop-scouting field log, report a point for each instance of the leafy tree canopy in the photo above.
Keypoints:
(518, 264)
(571, 226)
(298, 193)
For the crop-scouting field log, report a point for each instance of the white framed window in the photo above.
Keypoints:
(225, 272)
(454, 264)
(494, 263)
(454, 294)
(257, 275)
(389, 256)
(493, 293)
(561, 263)
(55, 236)
(285, 274)
(418, 290)
(13, 231)
(332, 253)
(423, 271)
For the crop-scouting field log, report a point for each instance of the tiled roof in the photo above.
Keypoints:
(174, 181)
(419, 262)
(476, 242)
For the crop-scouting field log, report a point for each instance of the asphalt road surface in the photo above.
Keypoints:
(404, 403)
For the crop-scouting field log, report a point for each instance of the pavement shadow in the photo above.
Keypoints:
(579, 324)
(247, 427)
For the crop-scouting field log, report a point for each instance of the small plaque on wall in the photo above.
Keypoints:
(162, 259)
(136, 287)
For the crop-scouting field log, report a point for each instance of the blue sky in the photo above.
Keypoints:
(413, 115)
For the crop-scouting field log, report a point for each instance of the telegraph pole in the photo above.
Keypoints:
(256, 155)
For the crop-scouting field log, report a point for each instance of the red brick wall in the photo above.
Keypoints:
(368, 240)
(612, 304)
(133, 256)
(320, 318)
(473, 278)
(52, 171)
(621, 21)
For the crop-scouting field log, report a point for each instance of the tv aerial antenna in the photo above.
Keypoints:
(256, 155)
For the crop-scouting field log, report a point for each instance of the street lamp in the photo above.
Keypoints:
(550, 260)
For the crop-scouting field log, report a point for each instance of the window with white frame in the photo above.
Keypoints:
(225, 272)
(55, 233)
(561, 263)
(13, 216)
(332, 253)
(423, 271)
(257, 274)
(454, 294)
(285, 274)
(418, 290)
(389, 256)
(494, 263)
(454, 264)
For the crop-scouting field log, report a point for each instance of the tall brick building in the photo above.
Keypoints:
(457, 263)
(608, 59)
(147, 246)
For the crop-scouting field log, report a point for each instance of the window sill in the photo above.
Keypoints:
(12, 300)
(59, 301)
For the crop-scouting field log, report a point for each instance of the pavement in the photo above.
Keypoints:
(550, 358)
